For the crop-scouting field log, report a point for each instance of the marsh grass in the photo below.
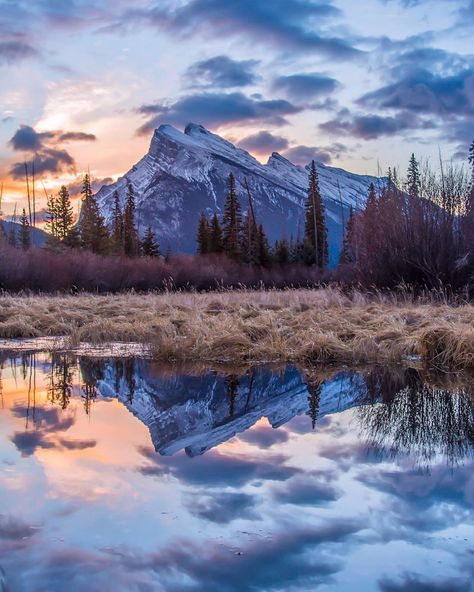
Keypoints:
(310, 327)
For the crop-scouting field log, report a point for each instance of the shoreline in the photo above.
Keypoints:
(306, 327)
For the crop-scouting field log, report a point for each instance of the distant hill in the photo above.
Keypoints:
(38, 236)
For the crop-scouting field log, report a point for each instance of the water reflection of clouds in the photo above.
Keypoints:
(270, 510)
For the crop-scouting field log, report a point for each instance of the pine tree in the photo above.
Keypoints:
(51, 216)
(149, 246)
(348, 253)
(263, 248)
(25, 236)
(215, 236)
(232, 222)
(93, 231)
(413, 178)
(281, 253)
(130, 234)
(316, 245)
(203, 235)
(249, 240)
(64, 214)
(314, 398)
(117, 225)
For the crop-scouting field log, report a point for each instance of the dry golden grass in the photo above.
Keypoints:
(304, 326)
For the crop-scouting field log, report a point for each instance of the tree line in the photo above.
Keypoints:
(241, 238)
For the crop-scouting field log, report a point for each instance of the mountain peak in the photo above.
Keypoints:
(194, 129)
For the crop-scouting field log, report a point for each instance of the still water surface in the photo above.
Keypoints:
(120, 475)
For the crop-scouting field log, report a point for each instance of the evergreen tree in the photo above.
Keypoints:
(203, 235)
(281, 253)
(249, 240)
(168, 254)
(64, 214)
(316, 245)
(216, 244)
(117, 225)
(93, 231)
(149, 246)
(130, 233)
(51, 216)
(25, 236)
(232, 222)
(348, 253)
(263, 248)
(314, 398)
(413, 178)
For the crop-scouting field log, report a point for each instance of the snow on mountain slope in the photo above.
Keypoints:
(185, 173)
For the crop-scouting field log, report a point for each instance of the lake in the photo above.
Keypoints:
(127, 475)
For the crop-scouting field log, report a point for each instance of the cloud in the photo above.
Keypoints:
(370, 127)
(416, 583)
(307, 491)
(76, 137)
(15, 529)
(14, 51)
(290, 560)
(302, 155)
(222, 507)
(423, 91)
(223, 72)
(217, 470)
(263, 142)
(286, 24)
(77, 444)
(215, 109)
(26, 139)
(304, 87)
(49, 160)
(48, 157)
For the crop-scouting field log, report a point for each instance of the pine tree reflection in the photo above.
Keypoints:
(61, 379)
(92, 370)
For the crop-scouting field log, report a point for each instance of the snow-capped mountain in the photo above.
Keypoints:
(186, 173)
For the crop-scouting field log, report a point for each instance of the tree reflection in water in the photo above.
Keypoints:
(404, 414)
(400, 411)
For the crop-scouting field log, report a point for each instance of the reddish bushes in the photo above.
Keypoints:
(41, 270)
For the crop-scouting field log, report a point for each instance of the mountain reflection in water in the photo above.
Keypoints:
(124, 475)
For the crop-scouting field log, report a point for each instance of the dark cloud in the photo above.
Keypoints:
(49, 160)
(222, 507)
(416, 583)
(290, 560)
(76, 137)
(302, 155)
(213, 109)
(48, 157)
(222, 72)
(264, 142)
(77, 444)
(370, 127)
(217, 470)
(304, 87)
(307, 491)
(14, 51)
(28, 442)
(75, 187)
(15, 529)
(423, 91)
(26, 139)
(288, 24)
(46, 422)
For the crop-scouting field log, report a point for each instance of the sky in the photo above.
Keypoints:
(359, 85)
